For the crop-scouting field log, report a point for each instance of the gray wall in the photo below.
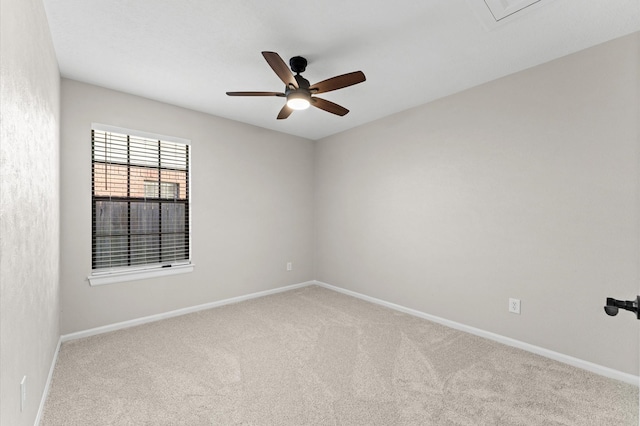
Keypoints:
(252, 195)
(526, 187)
(29, 205)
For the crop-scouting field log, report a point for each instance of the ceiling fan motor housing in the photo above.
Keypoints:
(303, 83)
(302, 93)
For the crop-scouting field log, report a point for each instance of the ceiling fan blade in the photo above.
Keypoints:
(255, 94)
(280, 68)
(334, 83)
(284, 112)
(329, 106)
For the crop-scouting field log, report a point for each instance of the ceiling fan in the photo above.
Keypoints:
(298, 91)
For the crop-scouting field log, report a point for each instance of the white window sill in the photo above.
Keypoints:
(103, 278)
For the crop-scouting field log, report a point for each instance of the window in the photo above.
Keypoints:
(167, 189)
(140, 204)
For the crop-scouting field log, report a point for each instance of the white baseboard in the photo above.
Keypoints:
(178, 312)
(576, 362)
(566, 359)
(45, 392)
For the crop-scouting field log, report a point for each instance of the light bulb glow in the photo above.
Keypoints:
(298, 100)
(298, 103)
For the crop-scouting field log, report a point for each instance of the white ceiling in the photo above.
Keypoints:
(190, 52)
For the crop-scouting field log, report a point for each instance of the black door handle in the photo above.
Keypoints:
(613, 306)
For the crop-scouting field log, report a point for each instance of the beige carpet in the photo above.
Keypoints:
(316, 357)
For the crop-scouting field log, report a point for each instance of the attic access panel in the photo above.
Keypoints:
(500, 9)
(495, 13)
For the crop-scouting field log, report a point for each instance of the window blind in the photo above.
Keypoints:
(140, 201)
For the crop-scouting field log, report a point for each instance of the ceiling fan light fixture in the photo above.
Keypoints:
(297, 89)
(298, 100)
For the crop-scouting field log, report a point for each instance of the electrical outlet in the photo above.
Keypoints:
(289, 266)
(23, 392)
(514, 306)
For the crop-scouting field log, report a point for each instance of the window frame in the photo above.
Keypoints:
(112, 275)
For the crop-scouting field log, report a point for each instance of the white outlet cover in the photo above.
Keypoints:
(514, 305)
